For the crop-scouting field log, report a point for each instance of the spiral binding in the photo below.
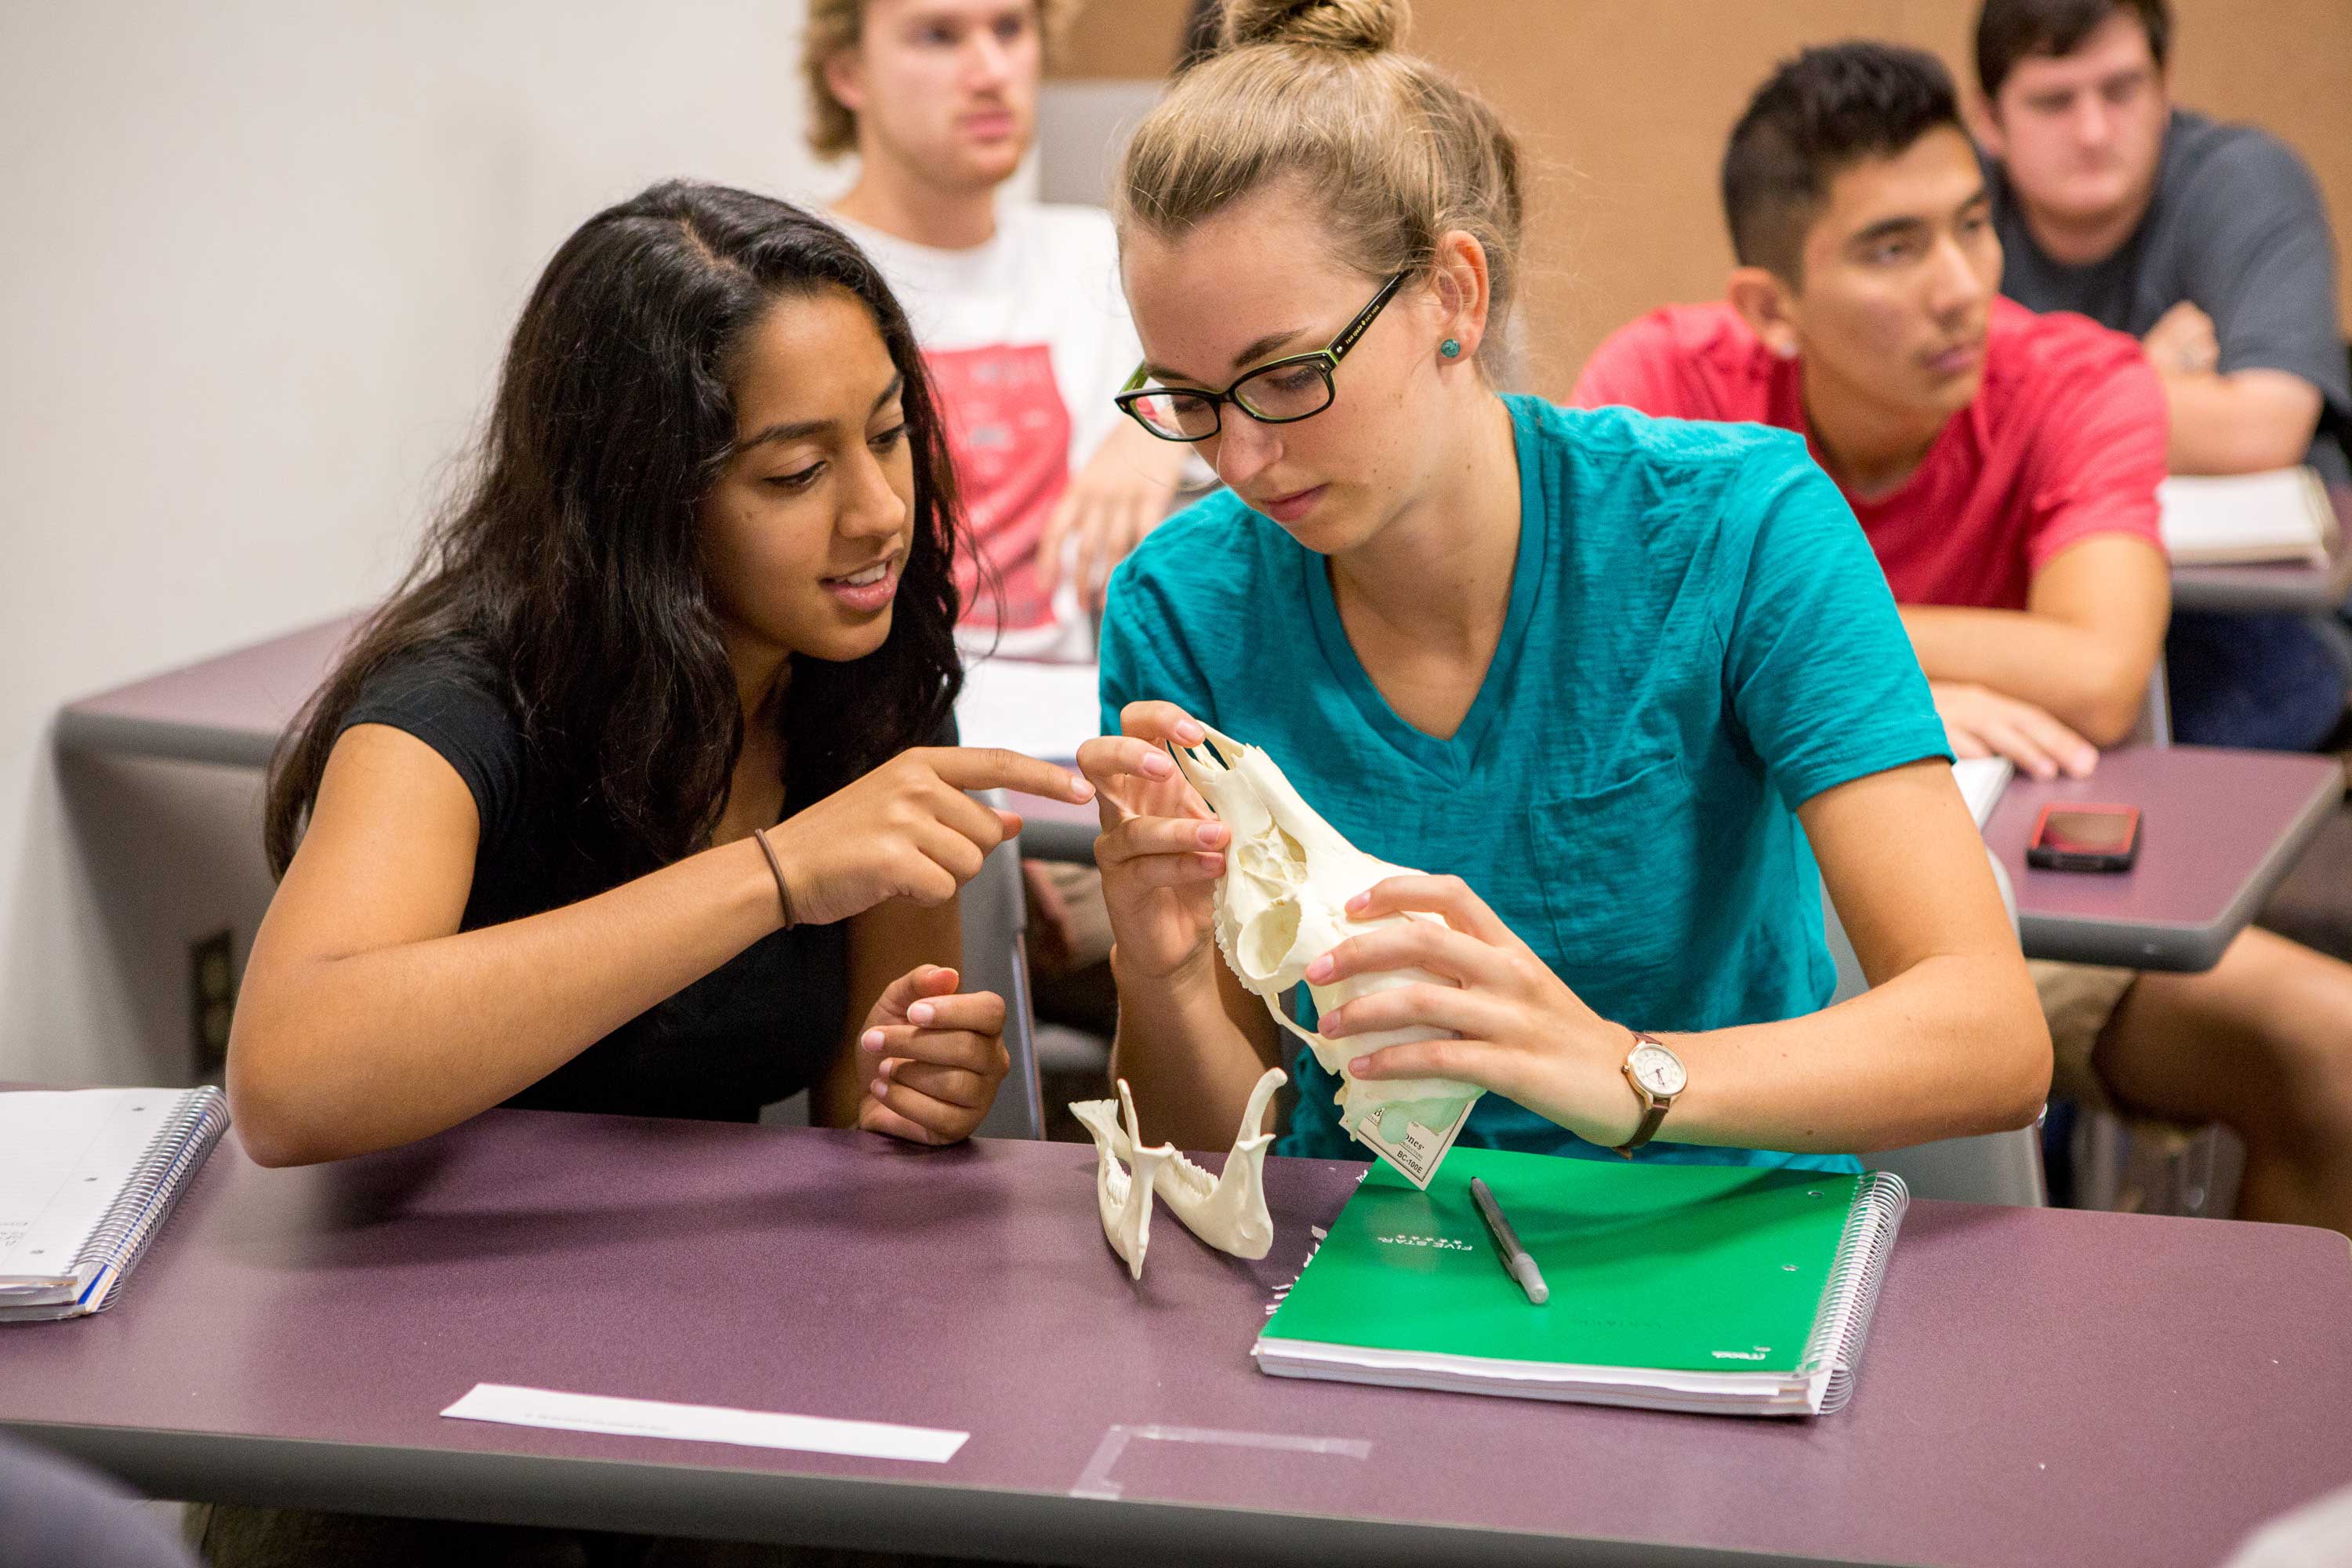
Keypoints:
(145, 1201)
(1853, 1292)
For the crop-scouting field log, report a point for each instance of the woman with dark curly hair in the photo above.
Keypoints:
(640, 795)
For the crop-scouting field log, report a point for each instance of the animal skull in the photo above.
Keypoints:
(1282, 902)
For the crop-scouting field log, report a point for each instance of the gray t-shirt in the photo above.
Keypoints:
(2236, 224)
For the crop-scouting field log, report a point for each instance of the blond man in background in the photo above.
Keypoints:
(1016, 303)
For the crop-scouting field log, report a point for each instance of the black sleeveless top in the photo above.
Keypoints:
(758, 1028)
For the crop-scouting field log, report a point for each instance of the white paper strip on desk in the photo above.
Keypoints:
(2241, 519)
(514, 1407)
(1023, 705)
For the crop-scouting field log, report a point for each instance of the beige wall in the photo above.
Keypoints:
(1623, 106)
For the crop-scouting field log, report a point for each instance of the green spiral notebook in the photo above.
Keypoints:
(1713, 1289)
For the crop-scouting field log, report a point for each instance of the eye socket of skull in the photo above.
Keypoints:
(1267, 938)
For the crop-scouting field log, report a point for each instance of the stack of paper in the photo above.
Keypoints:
(2281, 515)
(1029, 705)
(1981, 782)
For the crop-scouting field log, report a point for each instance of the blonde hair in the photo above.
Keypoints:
(837, 25)
(1398, 152)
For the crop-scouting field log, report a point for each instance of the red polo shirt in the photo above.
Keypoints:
(2065, 439)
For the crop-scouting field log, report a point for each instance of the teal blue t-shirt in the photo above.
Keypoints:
(1698, 641)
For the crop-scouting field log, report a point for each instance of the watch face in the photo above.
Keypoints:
(1657, 1069)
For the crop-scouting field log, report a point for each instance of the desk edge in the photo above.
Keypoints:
(824, 1511)
(84, 732)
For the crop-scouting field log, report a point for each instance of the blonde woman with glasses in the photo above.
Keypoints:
(1618, 682)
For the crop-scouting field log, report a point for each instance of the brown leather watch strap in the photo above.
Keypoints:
(1652, 1117)
(1654, 1109)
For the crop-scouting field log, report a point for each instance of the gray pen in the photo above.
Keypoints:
(1507, 1250)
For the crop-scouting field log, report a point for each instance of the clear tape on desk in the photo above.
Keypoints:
(1095, 1480)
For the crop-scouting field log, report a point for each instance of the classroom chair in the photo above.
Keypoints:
(1996, 1168)
(2155, 726)
(1993, 1168)
(995, 919)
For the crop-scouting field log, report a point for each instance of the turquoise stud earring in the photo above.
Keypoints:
(1449, 349)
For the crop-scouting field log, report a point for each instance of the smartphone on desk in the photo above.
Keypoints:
(2072, 837)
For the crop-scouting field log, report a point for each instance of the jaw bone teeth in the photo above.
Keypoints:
(1282, 903)
(1227, 1210)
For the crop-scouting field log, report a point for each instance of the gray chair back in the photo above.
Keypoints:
(2155, 726)
(2103, 1138)
(996, 917)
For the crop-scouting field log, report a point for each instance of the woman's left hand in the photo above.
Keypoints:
(933, 1057)
(1522, 1033)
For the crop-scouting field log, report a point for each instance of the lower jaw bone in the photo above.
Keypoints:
(1227, 1210)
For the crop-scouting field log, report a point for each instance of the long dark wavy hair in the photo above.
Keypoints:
(570, 563)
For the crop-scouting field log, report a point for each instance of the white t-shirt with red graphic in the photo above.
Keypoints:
(1026, 338)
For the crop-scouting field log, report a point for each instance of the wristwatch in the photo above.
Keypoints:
(1657, 1076)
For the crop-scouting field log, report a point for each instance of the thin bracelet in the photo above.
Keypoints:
(783, 894)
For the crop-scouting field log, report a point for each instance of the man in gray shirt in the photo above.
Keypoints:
(2208, 242)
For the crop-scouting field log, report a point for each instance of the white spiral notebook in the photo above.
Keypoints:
(87, 1178)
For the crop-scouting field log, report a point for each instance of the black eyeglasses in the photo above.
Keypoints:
(1280, 392)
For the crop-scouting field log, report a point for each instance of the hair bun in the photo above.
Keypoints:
(1368, 25)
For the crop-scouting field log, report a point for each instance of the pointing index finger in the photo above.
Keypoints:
(992, 767)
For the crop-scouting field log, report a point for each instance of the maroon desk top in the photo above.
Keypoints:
(2041, 1386)
(2218, 829)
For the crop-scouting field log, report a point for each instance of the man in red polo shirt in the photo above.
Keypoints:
(2004, 467)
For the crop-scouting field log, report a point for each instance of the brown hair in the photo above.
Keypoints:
(2009, 31)
(1815, 116)
(837, 25)
(1399, 153)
